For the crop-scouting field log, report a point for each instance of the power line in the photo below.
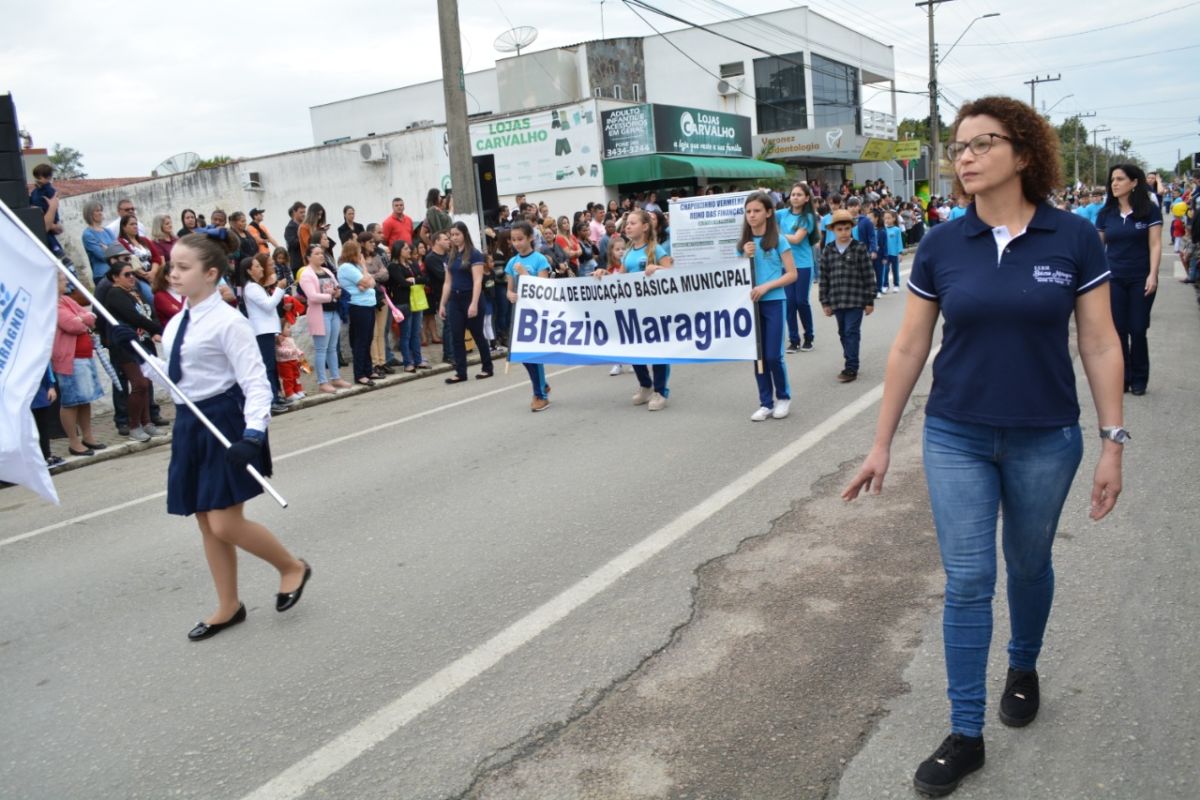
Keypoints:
(1091, 30)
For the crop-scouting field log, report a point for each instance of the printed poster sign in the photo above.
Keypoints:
(706, 229)
(672, 317)
(628, 131)
(695, 132)
(553, 149)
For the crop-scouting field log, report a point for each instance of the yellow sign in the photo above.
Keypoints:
(877, 150)
(909, 148)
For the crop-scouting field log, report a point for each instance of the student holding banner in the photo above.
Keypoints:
(645, 254)
(215, 360)
(774, 269)
(798, 224)
(528, 261)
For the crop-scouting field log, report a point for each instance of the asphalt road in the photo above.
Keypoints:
(595, 601)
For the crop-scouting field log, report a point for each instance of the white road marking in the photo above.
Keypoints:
(328, 443)
(314, 768)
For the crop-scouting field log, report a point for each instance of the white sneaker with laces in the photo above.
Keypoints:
(782, 407)
(761, 415)
(644, 393)
(616, 370)
(657, 402)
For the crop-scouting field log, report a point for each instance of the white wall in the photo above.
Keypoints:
(673, 78)
(395, 109)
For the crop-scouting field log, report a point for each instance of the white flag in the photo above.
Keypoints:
(28, 317)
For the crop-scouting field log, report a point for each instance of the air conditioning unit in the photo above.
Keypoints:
(728, 87)
(252, 181)
(373, 152)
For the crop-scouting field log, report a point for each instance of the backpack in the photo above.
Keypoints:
(300, 289)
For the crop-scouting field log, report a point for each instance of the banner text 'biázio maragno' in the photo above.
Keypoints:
(699, 314)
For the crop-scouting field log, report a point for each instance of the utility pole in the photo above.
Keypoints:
(1099, 129)
(1079, 124)
(454, 89)
(935, 132)
(1033, 87)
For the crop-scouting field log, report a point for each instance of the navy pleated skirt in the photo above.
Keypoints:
(199, 478)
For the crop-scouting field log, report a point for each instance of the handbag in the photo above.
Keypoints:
(417, 299)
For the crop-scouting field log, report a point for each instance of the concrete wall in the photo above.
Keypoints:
(396, 109)
(544, 78)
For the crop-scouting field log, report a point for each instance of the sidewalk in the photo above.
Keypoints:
(118, 445)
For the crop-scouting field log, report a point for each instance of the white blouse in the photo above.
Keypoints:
(219, 350)
(262, 308)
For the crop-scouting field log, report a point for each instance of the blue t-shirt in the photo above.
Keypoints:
(956, 212)
(635, 257)
(1005, 359)
(40, 197)
(535, 263)
(895, 240)
(768, 266)
(826, 221)
(1127, 241)
(348, 277)
(789, 223)
(460, 273)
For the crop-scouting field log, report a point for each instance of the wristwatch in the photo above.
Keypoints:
(1115, 434)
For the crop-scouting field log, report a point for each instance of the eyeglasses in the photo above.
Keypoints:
(978, 145)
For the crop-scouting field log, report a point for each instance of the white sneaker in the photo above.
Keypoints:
(138, 435)
(657, 402)
(616, 370)
(761, 415)
(782, 407)
(644, 393)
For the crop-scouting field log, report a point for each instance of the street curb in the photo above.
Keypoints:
(128, 448)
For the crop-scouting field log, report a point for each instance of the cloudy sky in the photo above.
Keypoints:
(133, 86)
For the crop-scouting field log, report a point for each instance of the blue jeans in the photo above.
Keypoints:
(1131, 317)
(891, 264)
(662, 374)
(974, 471)
(410, 338)
(849, 321)
(537, 376)
(326, 357)
(447, 339)
(773, 380)
(798, 304)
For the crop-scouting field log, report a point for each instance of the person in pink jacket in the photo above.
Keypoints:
(321, 291)
(75, 370)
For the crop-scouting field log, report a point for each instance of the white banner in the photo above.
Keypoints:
(706, 229)
(674, 316)
(28, 318)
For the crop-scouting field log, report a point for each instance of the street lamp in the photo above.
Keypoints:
(964, 33)
(1051, 108)
(935, 154)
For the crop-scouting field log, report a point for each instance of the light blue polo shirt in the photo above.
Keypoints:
(1005, 359)
(790, 222)
(635, 257)
(535, 263)
(768, 266)
(348, 277)
(895, 241)
(826, 221)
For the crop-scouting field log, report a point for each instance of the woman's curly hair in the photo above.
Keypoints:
(1033, 140)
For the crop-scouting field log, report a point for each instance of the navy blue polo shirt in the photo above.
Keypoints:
(1127, 240)
(1006, 315)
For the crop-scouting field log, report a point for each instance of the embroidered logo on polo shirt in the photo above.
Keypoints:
(1046, 274)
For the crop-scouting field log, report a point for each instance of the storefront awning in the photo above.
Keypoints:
(645, 169)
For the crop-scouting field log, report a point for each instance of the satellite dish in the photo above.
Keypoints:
(180, 162)
(513, 39)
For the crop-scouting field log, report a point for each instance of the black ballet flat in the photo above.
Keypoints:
(204, 631)
(455, 379)
(94, 445)
(285, 600)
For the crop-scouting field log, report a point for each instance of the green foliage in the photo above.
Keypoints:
(67, 162)
(215, 161)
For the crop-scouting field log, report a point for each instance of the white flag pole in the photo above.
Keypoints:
(150, 360)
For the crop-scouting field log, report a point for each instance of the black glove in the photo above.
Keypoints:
(123, 336)
(245, 450)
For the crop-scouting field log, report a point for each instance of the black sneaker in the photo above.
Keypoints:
(956, 758)
(792, 348)
(847, 375)
(807, 345)
(1019, 703)
(122, 430)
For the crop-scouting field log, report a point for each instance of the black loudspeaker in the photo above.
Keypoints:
(34, 219)
(14, 194)
(8, 110)
(485, 181)
(12, 168)
(10, 141)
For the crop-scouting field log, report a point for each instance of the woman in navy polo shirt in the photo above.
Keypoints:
(1002, 421)
(1131, 227)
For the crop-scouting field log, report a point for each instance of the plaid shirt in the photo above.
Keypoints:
(847, 279)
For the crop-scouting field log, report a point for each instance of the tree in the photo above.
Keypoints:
(67, 162)
(919, 129)
(215, 161)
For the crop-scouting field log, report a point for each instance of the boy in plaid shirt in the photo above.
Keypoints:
(847, 288)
